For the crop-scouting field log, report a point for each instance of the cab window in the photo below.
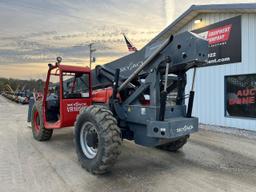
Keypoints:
(75, 85)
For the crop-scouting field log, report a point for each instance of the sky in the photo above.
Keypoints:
(34, 32)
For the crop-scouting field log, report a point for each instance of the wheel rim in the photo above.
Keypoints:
(89, 152)
(36, 122)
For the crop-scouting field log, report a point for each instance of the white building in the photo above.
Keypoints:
(220, 99)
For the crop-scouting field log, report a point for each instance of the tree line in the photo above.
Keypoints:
(19, 85)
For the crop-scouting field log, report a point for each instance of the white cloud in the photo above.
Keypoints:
(35, 31)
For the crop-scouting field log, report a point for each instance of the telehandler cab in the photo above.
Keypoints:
(139, 97)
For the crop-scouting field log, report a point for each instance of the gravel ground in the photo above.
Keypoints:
(210, 161)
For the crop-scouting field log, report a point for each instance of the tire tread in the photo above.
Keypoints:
(45, 134)
(111, 134)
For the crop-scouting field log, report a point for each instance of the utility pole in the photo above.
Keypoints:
(92, 59)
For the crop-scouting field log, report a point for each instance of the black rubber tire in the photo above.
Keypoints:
(175, 145)
(42, 134)
(109, 140)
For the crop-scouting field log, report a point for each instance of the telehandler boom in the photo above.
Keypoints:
(138, 97)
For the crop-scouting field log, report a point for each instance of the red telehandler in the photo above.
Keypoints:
(139, 97)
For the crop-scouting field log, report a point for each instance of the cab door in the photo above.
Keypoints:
(75, 94)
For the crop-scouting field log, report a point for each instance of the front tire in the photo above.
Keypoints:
(97, 139)
(40, 133)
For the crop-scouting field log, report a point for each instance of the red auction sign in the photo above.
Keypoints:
(241, 95)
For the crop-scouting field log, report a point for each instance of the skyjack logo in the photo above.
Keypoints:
(217, 35)
(131, 66)
(185, 128)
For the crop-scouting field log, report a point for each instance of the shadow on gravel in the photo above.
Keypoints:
(62, 135)
(145, 164)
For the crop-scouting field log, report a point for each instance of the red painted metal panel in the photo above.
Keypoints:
(102, 95)
(70, 108)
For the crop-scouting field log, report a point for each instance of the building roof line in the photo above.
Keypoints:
(194, 10)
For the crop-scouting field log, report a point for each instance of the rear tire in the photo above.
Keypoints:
(175, 145)
(40, 133)
(99, 156)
